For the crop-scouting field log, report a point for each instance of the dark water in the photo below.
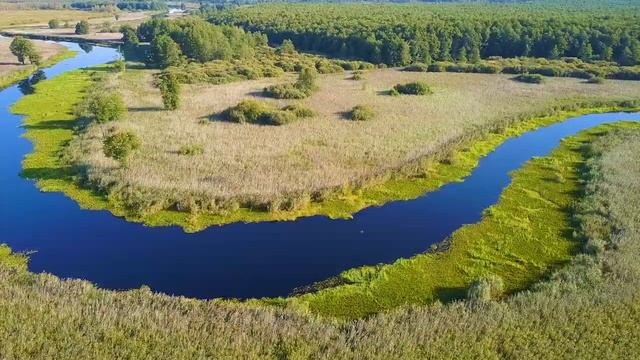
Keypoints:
(239, 260)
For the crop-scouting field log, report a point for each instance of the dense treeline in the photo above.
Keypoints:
(402, 34)
(122, 5)
(196, 40)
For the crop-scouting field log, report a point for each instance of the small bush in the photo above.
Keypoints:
(486, 69)
(417, 67)
(191, 150)
(284, 91)
(437, 67)
(328, 67)
(413, 88)
(119, 65)
(530, 78)
(120, 145)
(54, 24)
(169, 90)
(278, 117)
(595, 80)
(486, 289)
(299, 110)
(357, 75)
(247, 111)
(106, 107)
(361, 113)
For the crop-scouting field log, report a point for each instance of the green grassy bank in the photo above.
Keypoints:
(6, 81)
(589, 309)
(522, 238)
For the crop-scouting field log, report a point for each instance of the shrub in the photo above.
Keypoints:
(120, 145)
(361, 113)
(530, 78)
(437, 67)
(106, 107)
(287, 47)
(119, 65)
(357, 75)
(284, 91)
(417, 67)
(191, 150)
(486, 289)
(300, 111)
(278, 117)
(54, 24)
(82, 28)
(413, 88)
(328, 67)
(486, 69)
(170, 90)
(247, 111)
(303, 88)
(595, 80)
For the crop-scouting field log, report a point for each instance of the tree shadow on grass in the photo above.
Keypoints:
(449, 294)
(52, 125)
(145, 109)
(49, 173)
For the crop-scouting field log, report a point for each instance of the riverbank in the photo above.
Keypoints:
(593, 300)
(52, 53)
(450, 164)
(526, 236)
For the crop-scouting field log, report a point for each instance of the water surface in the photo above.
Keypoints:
(239, 260)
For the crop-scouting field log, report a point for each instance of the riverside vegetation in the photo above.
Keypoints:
(592, 298)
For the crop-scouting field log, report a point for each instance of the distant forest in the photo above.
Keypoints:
(402, 34)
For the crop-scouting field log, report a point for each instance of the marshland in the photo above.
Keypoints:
(379, 181)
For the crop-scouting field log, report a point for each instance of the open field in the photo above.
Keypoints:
(327, 151)
(11, 70)
(11, 18)
(589, 309)
(37, 25)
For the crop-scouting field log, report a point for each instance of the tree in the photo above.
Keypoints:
(307, 80)
(82, 28)
(23, 49)
(164, 52)
(120, 146)
(129, 37)
(106, 107)
(287, 47)
(169, 89)
(54, 24)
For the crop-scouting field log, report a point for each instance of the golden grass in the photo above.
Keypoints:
(324, 152)
(21, 17)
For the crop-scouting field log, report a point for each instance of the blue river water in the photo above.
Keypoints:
(238, 260)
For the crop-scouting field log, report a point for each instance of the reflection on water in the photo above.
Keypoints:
(26, 85)
(86, 47)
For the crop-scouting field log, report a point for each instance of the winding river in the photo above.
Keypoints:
(239, 260)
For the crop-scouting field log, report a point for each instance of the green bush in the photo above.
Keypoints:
(119, 65)
(361, 113)
(300, 111)
(278, 117)
(417, 67)
(120, 146)
(328, 67)
(486, 289)
(54, 24)
(595, 80)
(106, 107)
(22, 49)
(304, 87)
(191, 150)
(437, 67)
(169, 89)
(357, 75)
(412, 88)
(247, 111)
(530, 78)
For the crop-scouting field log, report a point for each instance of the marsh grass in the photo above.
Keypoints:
(341, 165)
(588, 309)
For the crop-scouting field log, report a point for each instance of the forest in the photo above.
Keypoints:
(402, 34)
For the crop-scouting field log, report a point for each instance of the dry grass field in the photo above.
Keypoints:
(9, 64)
(36, 22)
(322, 152)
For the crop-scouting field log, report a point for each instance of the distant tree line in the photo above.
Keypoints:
(122, 5)
(402, 34)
